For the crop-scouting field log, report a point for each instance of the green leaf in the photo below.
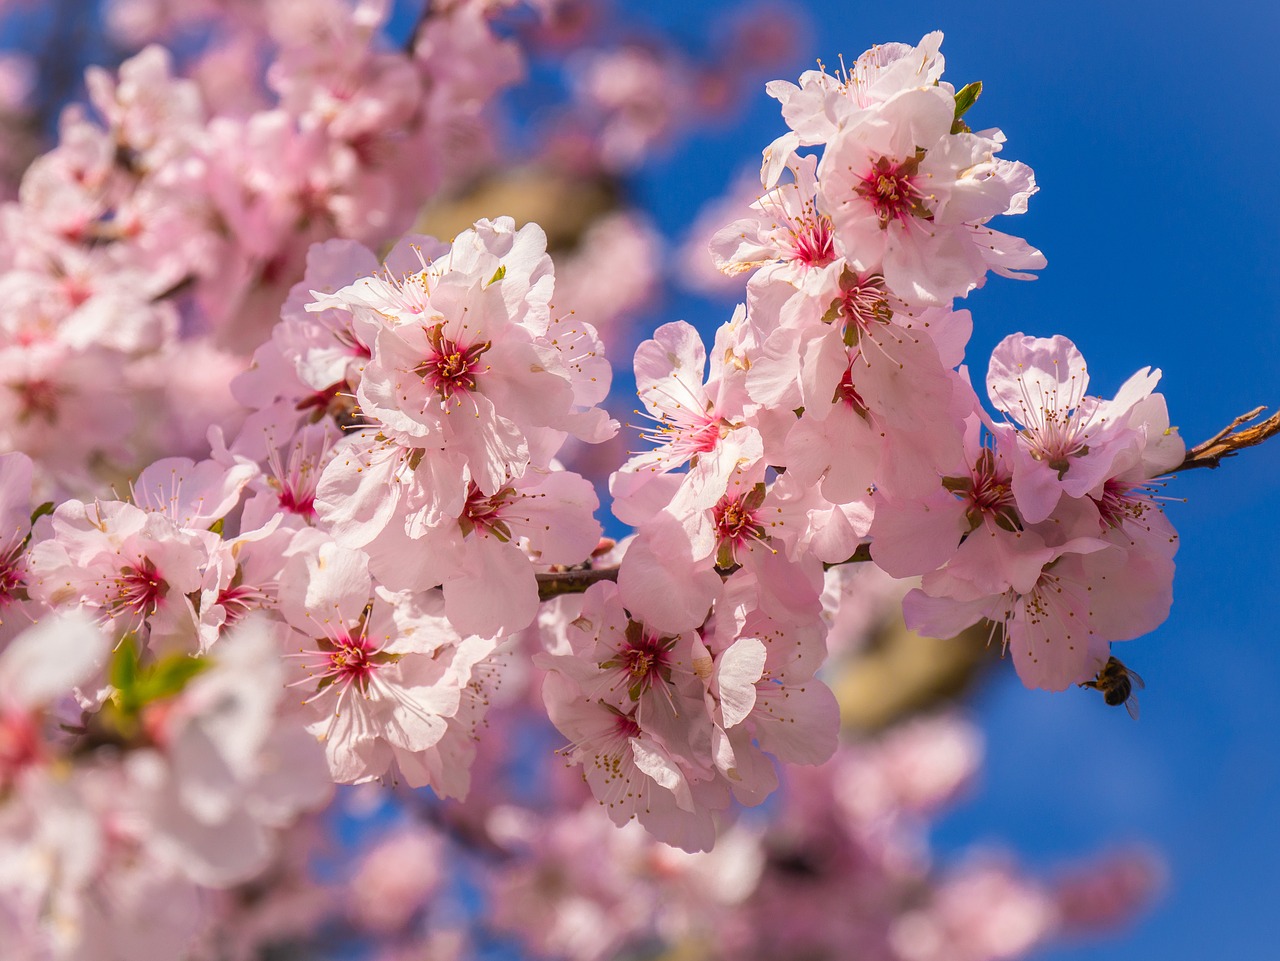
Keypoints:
(137, 686)
(967, 96)
(39, 512)
(168, 677)
(498, 274)
(217, 526)
(123, 675)
(124, 665)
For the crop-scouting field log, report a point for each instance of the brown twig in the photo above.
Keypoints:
(572, 582)
(1231, 439)
(860, 556)
(555, 583)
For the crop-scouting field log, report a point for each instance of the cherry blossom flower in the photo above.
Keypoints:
(632, 774)
(1068, 442)
(37, 669)
(136, 569)
(231, 767)
(468, 362)
(381, 686)
(909, 198)
(483, 557)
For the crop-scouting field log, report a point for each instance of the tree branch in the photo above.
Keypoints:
(1231, 439)
(572, 582)
(555, 583)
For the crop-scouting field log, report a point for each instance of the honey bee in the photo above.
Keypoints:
(1116, 682)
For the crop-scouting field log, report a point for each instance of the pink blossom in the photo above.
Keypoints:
(821, 104)
(768, 685)
(704, 425)
(1108, 890)
(469, 363)
(192, 495)
(395, 878)
(632, 775)
(785, 236)
(231, 767)
(484, 556)
(587, 285)
(1058, 611)
(637, 94)
(382, 685)
(909, 199)
(16, 608)
(134, 568)
(983, 911)
(1067, 442)
(39, 668)
(884, 411)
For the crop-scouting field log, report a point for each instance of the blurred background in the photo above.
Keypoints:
(1152, 129)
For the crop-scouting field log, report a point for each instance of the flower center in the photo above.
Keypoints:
(139, 589)
(1059, 437)
(450, 368)
(625, 726)
(483, 512)
(989, 492)
(847, 393)
(297, 502)
(861, 305)
(737, 525)
(13, 582)
(890, 188)
(239, 599)
(639, 663)
(1119, 504)
(296, 478)
(644, 660)
(733, 520)
(813, 242)
(350, 661)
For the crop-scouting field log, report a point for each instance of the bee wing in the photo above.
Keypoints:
(1131, 705)
(1136, 679)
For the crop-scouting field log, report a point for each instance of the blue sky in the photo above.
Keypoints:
(1153, 129)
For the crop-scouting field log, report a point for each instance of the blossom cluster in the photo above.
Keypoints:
(347, 573)
(368, 537)
(152, 247)
(832, 416)
(843, 858)
(833, 413)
